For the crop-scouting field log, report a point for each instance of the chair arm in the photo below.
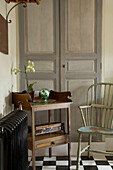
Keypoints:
(101, 106)
(96, 106)
(84, 110)
(84, 107)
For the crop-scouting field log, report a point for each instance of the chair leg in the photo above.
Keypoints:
(50, 152)
(79, 152)
(89, 143)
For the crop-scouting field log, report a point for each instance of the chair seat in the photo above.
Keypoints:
(95, 130)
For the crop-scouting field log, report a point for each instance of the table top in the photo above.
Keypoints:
(56, 100)
(49, 105)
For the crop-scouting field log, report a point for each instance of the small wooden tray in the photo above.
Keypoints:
(49, 101)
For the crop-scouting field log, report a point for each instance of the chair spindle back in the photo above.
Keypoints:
(100, 96)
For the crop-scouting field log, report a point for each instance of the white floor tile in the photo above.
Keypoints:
(110, 162)
(39, 163)
(73, 158)
(29, 158)
(49, 168)
(73, 167)
(104, 167)
(99, 157)
(49, 159)
(81, 168)
(30, 164)
(62, 163)
(89, 162)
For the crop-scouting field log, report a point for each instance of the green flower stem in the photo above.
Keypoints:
(26, 77)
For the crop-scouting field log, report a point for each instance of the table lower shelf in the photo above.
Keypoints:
(48, 140)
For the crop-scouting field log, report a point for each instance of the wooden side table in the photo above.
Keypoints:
(36, 143)
(48, 140)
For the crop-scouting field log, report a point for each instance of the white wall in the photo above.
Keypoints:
(107, 41)
(107, 51)
(7, 79)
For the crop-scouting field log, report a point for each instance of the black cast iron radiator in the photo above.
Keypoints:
(14, 141)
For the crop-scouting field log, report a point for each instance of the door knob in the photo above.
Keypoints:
(52, 142)
(63, 65)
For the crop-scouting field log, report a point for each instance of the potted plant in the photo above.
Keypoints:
(27, 68)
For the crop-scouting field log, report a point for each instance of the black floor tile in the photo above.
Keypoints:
(90, 168)
(37, 168)
(86, 158)
(62, 168)
(49, 163)
(39, 158)
(109, 157)
(75, 162)
(102, 162)
(28, 163)
(62, 158)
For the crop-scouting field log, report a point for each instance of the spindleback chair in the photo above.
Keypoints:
(97, 116)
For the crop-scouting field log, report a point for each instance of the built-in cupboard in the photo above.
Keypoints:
(63, 38)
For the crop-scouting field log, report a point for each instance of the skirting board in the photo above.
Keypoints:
(63, 149)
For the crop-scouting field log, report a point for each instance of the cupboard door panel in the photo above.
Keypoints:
(80, 52)
(44, 66)
(80, 22)
(81, 66)
(40, 28)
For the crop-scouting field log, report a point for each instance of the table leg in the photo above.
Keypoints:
(69, 133)
(49, 119)
(33, 139)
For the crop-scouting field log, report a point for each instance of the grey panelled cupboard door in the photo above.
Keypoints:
(80, 26)
(39, 42)
(63, 38)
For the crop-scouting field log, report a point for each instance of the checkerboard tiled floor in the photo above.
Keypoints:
(61, 163)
